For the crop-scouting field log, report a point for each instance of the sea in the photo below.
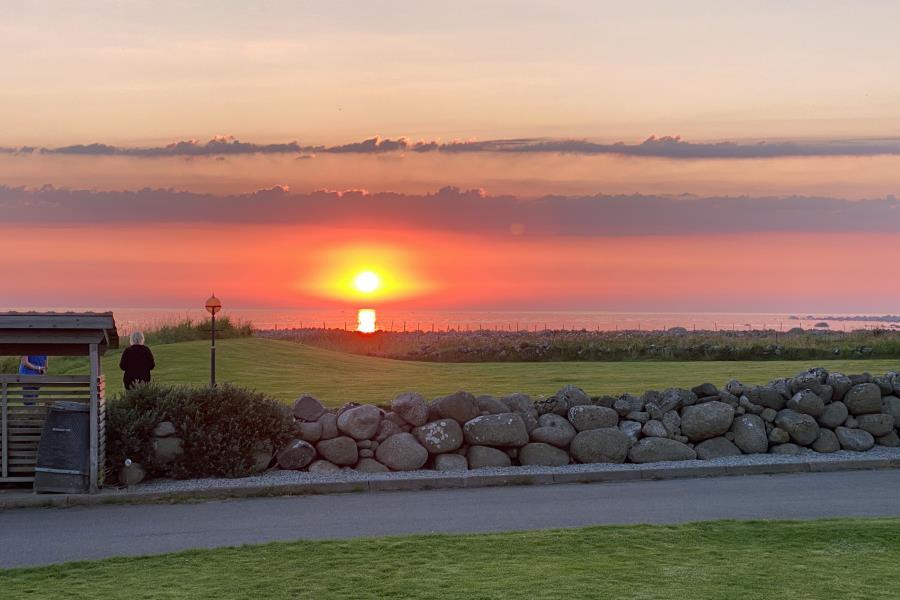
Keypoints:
(367, 319)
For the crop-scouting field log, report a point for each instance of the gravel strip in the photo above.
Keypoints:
(276, 478)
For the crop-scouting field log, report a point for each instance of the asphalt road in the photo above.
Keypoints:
(44, 536)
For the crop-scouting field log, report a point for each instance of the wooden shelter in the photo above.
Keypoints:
(25, 399)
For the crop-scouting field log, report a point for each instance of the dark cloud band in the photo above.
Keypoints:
(455, 210)
(657, 147)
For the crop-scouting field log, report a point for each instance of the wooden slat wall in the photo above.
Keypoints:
(21, 424)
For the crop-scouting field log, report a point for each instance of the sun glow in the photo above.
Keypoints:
(366, 274)
(365, 320)
(367, 282)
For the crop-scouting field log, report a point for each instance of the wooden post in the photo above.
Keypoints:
(4, 430)
(95, 416)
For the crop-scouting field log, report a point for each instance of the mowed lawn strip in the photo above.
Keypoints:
(285, 369)
(748, 560)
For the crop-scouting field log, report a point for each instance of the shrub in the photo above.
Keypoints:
(9, 365)
(219, 427)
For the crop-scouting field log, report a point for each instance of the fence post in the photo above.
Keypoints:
(95, 416)
(4, 429)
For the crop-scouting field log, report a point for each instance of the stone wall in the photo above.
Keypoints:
(816, 409)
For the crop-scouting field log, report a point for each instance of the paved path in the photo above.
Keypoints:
(43, 536)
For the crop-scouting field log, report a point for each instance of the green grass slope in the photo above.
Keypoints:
(285, 369)
(725, 560)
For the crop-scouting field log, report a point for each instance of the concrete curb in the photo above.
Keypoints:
(469, 479)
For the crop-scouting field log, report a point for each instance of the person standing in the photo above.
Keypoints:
(137, 362)
(32, 365)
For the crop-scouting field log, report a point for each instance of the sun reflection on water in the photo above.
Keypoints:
(365, 320)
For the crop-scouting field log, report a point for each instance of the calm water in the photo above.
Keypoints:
(130, 319)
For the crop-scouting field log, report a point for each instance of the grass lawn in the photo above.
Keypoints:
(285, 369)
(747, 560)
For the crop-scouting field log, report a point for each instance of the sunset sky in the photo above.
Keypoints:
(656, 156)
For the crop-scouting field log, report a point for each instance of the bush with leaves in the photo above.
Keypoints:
(220, 429)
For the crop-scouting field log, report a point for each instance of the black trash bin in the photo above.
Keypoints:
(63, 459)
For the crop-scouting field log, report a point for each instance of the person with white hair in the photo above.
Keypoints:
(137, 362)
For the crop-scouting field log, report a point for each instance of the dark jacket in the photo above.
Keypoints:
(137, 362)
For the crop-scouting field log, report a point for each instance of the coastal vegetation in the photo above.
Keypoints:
(187, 330)
(676, 344)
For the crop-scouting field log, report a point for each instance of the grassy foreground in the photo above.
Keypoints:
(748, 560)
(285, 369)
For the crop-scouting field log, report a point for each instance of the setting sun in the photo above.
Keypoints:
(367, 282)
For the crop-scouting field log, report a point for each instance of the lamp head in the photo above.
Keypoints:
(213, 305)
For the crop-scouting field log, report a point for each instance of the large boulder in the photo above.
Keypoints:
(451, 462)
(401, 452)
(654, 428)
(890, 405)
(779, 436)
(164, 429)
(296, 455)
(553, 429)
(481, 457)
(546, 455)
(440, 436)
(708, 420)
(715, 448)
(884, 383)
(461, 406)
(628, 403)
(826, 442)
(750, 434)
(360, 422)
(167, 449)
(507, 429)
(705, 389)
(518, 402)
(840, 385)
(766, 396)
(807, 402)
(340, 450)
(553, 404)
(370, 465)
(632, 429)
(735, 387)
(308, 408)
(835, 414)
(863, 398)
(411, 407)
(131, 474)
(491, 406)
(787, 448)
(574, 396)
(328, 421)
(530, 417)
(592, 417)
(802, 428)
(660, 449)
(323, 466)
(609, 445)
(812, 381)
(386, 429)
(672, 422)
(892, 440)
(878, 424)
(856, 440)
(676, 399)
(308, 431)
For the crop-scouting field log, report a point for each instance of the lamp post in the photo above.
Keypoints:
(213, 305)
